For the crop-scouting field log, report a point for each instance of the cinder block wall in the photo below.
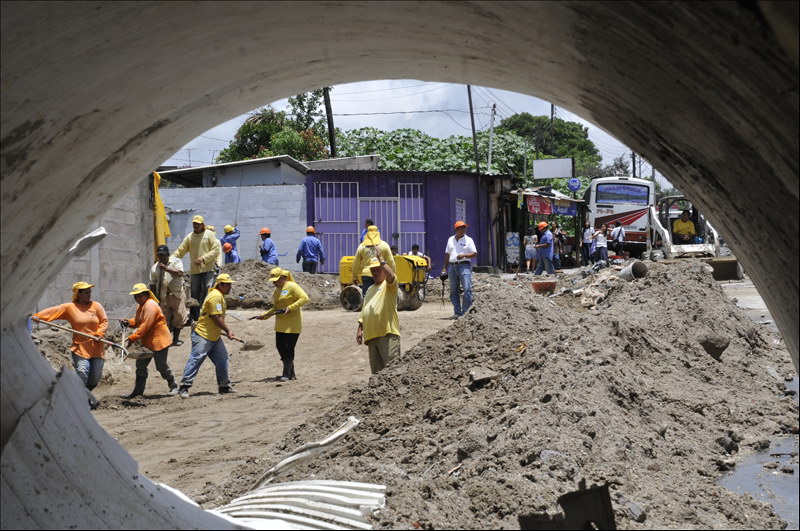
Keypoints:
(281, 208)
(115, 264)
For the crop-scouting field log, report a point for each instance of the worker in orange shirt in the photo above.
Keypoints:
(87, 316)
(153, 333)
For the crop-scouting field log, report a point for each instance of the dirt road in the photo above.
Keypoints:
(193, 442)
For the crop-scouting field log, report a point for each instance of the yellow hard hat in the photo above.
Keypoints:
(224, 278)
(278, 272)
(212, 228)
(227, 229)
(79, 285)
(374, 262)
(198, 219)
(142, 288)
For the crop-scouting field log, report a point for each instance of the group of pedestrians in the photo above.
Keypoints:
(544, 248)
(596, 242)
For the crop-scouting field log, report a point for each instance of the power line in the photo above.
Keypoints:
(501, 101)
(212, 138)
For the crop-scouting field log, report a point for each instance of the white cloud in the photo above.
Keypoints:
(356, 105)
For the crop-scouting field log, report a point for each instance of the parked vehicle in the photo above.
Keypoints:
(624, 199)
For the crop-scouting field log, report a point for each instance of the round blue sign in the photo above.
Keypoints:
(574, 184)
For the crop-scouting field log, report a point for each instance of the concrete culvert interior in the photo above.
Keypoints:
(96, 95)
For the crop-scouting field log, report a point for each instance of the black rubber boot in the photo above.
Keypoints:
(138, 388)
(173, 387)
(176, 341)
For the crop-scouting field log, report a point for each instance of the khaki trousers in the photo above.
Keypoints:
(382, 350)
(175, 311)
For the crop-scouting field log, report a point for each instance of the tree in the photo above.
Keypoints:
(307, 112)
(254, 135)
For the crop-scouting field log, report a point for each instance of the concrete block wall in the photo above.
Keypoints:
(362, 162)
(281, 208)
(266, 173)
(115, 264)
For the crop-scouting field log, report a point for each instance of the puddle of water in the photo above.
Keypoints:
(779, 489)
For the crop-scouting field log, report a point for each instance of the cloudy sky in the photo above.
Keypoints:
(394, 104)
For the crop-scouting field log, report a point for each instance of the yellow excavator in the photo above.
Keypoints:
(412, 277)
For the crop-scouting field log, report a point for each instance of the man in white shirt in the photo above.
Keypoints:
(166, 282)
(618, 238)
(460, 249)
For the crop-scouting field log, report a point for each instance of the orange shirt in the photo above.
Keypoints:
(87, 318)
(152, 326)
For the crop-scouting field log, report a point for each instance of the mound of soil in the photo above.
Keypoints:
(525, 396)
(252, 288)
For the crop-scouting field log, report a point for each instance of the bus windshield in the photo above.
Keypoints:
(623, 194)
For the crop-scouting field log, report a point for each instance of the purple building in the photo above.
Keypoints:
(407, 206)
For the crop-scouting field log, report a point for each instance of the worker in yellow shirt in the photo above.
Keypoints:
(371, 247)
(379, 326)
(207, 338)
(287, 300)
(203, 248)
(683, 231)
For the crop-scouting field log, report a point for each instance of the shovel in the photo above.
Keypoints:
(67, 329)
(249, 345)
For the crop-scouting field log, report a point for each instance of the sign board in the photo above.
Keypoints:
(512, 247)
(554, 168)
(574, 184)
(539, 205)
(565, 208)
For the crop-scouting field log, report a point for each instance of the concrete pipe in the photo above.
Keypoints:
(97, 94)
(633, 271)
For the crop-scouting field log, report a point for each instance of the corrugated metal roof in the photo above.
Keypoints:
(296, 164)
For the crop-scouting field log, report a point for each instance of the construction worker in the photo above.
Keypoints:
(457, 254)
(416, 252)
(286, 303)
(269, 253)
(207, 340)
(367, 224)
(203, 248)
(87, 316)
(683, 230)
(166, 281)
(545, 247)
(231, 236)
(152, 331)
(371, 247)
(311, 251)
(231, 256)
(379, 327)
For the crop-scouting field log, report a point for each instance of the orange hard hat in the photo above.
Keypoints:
(227, 247)
(264, 230)
(311, 229)
(460, 224)
(542, 225)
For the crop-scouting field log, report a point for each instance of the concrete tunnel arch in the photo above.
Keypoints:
(95, 95)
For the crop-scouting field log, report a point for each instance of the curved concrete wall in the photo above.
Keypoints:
(95, 95)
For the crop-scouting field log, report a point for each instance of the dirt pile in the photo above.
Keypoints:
(252, 288)
(516, 402)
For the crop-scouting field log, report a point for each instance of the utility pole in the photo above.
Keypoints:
(474, 137)
(326, 92)
(552, 118)
(213, 154)
(633, 165)
(491, 134)
(189, 152)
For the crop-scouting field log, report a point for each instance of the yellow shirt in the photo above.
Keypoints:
(293, 297)
(213, 305)
(204, 245)
(684, 227)
(379, 312)
(361, 259)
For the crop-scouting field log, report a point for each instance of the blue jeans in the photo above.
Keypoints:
(90, 371)
(202, 348)
(366, 282)
(460, 274)
(542, 264)
(556, 261)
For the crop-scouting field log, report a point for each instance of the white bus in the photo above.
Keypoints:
(624, 199)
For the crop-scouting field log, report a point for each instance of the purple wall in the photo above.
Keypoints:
(438, 204)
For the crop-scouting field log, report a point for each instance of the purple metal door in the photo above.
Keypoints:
(337, 224)
(412, 217)
(384, 212)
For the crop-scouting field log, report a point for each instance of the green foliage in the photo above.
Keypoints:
(268, 132)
